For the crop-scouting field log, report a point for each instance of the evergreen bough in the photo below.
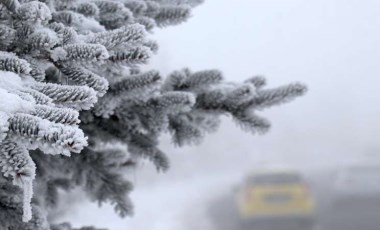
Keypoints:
(70, 82)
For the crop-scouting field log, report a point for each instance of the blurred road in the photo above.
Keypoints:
(223, 213)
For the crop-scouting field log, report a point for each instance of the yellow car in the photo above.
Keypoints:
(275, 198)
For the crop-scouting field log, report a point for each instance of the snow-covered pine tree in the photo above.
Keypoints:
(71, 82)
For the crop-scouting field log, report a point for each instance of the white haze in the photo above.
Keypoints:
(331, 45)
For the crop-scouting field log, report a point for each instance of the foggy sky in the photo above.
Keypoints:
(331, 45)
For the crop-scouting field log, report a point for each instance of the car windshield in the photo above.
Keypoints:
(277, 178)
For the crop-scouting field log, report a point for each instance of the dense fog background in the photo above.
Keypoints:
(331, 45)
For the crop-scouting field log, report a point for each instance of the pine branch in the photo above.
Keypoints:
(84, 77)
(57, 115)
(50, 137)
(10, 62)
(16, 162)
(78, 97)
